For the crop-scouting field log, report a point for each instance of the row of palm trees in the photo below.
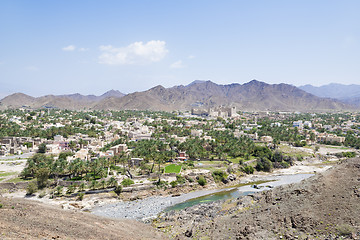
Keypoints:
(96, 168)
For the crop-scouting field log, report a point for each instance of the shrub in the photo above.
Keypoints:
(299, 143)
(42, 148)
(190, 163)
(71, 189)
(201, 181)
(42, 176)
(161, 184)
(248, 169)
(82, 186)
(127, 182)
(1, 205)
(219, 175)
(173, 184)
(190, 179)
(31, 188)
(42, 194)
(114, 167)
(118, 190)
(349, 154)
(93, 184)
(81, 196)
(58, 190)
(264, 164)
(103, 183)
(112, 182)
(230, 170)
(64, 155)
(284, 164)
(180, 179)
(345, 229)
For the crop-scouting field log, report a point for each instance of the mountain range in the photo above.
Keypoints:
(71, 101)
(251, 96)
(349, 94)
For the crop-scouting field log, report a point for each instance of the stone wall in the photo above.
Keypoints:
(14, 186)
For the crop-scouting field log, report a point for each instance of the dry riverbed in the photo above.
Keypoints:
(150, 207)
(148, 204)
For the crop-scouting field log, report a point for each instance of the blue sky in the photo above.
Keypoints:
(62, 47)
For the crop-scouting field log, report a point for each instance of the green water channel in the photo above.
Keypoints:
(225, 194)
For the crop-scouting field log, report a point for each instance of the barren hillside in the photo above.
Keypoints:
(26, 219)
(326, 206)
(251, 96)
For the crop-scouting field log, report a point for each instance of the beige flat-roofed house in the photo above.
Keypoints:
(119, 148)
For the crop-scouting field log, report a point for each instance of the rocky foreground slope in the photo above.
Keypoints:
(26, 219)
(326, 206)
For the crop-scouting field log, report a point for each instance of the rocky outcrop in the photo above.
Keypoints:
(26, 219)
(325, 206)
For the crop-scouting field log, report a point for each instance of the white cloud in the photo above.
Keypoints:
(135, 53)
(191, 57)
(177, 64)
(69, 48)
(83, 49)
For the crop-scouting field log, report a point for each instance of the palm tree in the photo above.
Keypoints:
(87, 170)
(112, 182)
(71, 168)
(62, 166)
(72, 145)
(77, 167)
(94, 167)
(82, 187)
(102, 172)
(123, 160)
(153, 157)
(103, 183)
(160, 158)
(82, 168)
(93, 184)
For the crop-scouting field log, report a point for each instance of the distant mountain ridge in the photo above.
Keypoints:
(74, 101)
(251, 96)
(349, 94)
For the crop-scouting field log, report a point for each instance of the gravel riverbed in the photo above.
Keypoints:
(148, 208)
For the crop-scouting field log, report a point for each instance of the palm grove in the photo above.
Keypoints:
(220, 144)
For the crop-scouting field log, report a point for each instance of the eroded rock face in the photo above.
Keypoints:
(324, 207)
(231, 177)
(27, 219)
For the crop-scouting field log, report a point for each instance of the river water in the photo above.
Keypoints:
(244, 190)
(150, 207)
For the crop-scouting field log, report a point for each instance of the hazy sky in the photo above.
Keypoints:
(61, 47)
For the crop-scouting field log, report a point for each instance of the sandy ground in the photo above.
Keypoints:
(11, 166)
(307, 166)
(26, 219)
